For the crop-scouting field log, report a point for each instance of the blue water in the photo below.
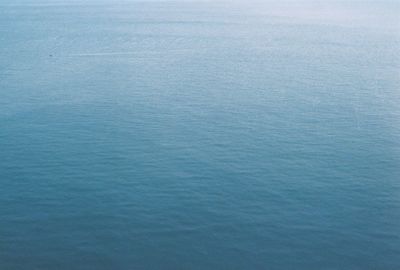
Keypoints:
(199, 135)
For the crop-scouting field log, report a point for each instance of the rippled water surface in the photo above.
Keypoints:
(199, 135)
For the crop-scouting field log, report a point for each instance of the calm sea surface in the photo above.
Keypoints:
(199, 135)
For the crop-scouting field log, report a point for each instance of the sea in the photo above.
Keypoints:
(199, 135)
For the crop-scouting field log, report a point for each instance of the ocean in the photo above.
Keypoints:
(199, 135)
